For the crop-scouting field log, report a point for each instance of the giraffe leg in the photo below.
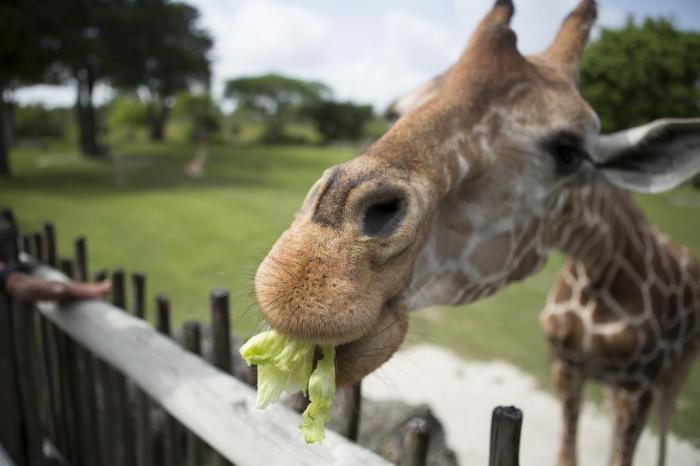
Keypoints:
(568, 381)
(631, 411)
(668, 394)
(664, 408)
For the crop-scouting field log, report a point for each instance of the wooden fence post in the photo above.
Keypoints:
(506, 424)
(122, 421)
(193, 343)
(118, 289)
(221, 329)
(138, 295)
(9, 217)
(144, 447)
(415, 443)
(171, 446)
(163, 314)
(89, 409)
(38, 240)
(355, 410)
(49, 337)
(26, 364)
(221, 333)
(27, 246)
(11, 425)
(50, 244)
(81, 262)
(66, 266)
(69, 401)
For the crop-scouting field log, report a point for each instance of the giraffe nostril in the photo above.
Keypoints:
(383, 217)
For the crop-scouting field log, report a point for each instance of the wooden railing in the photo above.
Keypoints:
(89, 383)
(93, 383)
(64, 349)
(210, 403)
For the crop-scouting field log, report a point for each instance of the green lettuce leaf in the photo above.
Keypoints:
(286, 365)
(321, 393)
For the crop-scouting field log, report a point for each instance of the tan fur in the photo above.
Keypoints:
(481, 204)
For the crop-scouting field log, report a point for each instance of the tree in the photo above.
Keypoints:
(642, 72)
(201, 111)
(205, 117)
(36, 122)
(25, 57)
(165, 56)
(278, 99)
(87, 31)
(127, 112)
(341, 120)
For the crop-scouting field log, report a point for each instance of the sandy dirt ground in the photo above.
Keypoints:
(462, 394)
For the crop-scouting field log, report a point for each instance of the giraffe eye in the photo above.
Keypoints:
(567, 150)
(568, 156)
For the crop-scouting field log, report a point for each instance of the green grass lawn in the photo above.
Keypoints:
(191, 235)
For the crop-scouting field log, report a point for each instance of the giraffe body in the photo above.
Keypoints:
(624, 310)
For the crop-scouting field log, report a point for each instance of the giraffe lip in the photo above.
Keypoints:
(361, 332)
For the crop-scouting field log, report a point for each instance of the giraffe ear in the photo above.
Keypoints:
(652, 158)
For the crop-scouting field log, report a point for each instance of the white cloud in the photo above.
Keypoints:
(414, 43)
(409, 49)
(612, 17)
(263, 34)
(366, 50)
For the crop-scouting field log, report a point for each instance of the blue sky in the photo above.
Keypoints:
(371, 50)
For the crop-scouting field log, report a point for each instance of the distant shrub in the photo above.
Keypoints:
(341, 121)
(127, 112)
(38, 122)
(202, 114)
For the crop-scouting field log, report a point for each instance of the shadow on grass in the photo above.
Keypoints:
(159, 168)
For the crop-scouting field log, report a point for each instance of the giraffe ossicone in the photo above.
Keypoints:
(489, 167)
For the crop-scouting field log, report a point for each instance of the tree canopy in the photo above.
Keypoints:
(26, 56)
(642, 72)
(164, 57)
(341, 120)
(278, 99)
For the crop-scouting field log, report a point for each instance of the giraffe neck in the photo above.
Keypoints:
(627, 304)
(598, 226)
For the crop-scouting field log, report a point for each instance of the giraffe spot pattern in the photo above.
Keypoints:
(626, 304)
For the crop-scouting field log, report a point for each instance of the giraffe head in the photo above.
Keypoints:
(450, 204)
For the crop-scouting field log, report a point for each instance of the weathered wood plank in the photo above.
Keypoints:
(10, 402)
(171, 446)
(106, 397)
(25, 365)
(66, 361)
(218, 408)
(49, 337)
(144, 439)
(90, 411)
(43, 378)
(123, 430)
(193, 343)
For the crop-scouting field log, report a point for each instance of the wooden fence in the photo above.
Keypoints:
(93, 383)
